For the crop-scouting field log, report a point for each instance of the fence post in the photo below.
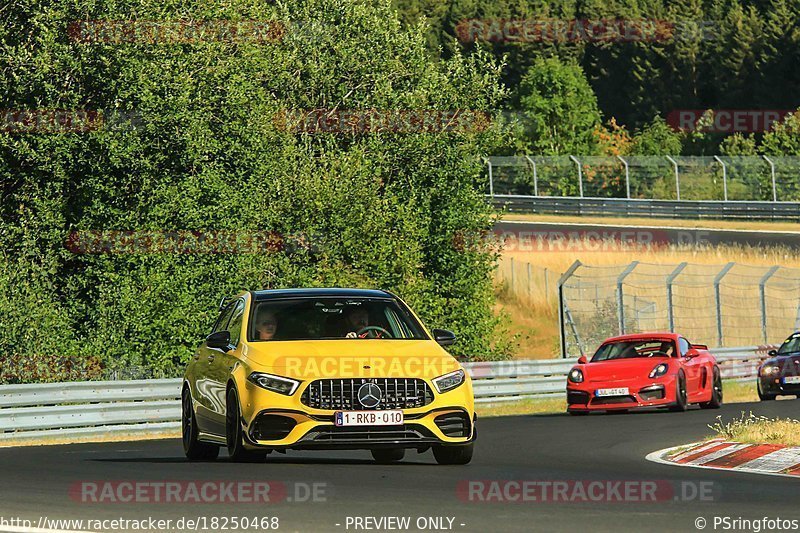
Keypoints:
(670, 308)
(772, 172)
(627, 178)
(677, 178)
(513, 289)
(724, 177)
(562, 336)
(546, 286)
(491, 179)
(535, 176)
(621, 295)
(530, 285)
(762, 292)
(718, 300)
(580, 175)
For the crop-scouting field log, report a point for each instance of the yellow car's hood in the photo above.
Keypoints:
(345, 358)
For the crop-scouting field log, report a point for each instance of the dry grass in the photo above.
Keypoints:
(739, 391)
(677, 223)
(531, 298)
(751, 429)
(523, 407)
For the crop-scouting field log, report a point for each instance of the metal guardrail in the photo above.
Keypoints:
(688, 209)
(69, 412)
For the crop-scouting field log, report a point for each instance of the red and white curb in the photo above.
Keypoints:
(719, 454)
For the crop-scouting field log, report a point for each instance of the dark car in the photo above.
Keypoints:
(780, 374)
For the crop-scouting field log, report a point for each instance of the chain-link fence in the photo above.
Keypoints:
(744, 178)
(728, 305)
(718, 305)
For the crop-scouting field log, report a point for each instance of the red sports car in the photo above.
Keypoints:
(645, 370)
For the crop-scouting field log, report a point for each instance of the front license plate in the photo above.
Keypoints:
(620, 391)
(791, 380)
(369, 418)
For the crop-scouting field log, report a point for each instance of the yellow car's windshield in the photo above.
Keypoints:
(317, 318)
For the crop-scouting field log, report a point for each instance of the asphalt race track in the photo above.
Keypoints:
(36, 480)
(660, 234)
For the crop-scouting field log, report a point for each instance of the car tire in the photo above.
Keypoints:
(453, 455)
(716, 392)
(681, 404)
(234, 434)
(193, 448)
(388, 455)
(578, 413)
(762, 395)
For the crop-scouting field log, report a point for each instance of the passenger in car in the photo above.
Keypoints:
(266, 326)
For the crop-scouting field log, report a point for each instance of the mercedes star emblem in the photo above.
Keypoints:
(369, 395)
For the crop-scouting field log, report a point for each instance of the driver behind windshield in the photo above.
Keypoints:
(357, 318)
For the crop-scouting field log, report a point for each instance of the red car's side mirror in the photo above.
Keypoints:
(691, 352)
(582, 360)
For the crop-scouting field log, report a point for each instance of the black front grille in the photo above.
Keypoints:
(453, 424)
(575, 396)
(613, 399)
(272, 427)
(342, 394)
(649, 394)
(406, 432)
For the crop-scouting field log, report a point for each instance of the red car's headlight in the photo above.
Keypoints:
(659, 370)
(575, 375)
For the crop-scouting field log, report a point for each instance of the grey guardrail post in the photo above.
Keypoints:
(677, 177)
(718, 300)
(562, 335)
(772, 173)
(621, 295)
(535, 175)
(670, 309)
(724, 177)
(627, 178)
(762, 293)
(580, 175)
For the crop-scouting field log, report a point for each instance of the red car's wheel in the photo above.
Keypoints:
(716, 392)
(681, 403)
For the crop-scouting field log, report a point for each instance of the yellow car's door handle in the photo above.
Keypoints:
(211, 358)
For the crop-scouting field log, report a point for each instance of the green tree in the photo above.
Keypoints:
(209, 151)
(558, 109)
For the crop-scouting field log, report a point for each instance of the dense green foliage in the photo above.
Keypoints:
(206, 153)
(712, 54)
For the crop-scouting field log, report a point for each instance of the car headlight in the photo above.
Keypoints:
(769, 370)
(659, 370)
(449, 381)
(575, 375)
(272, 383)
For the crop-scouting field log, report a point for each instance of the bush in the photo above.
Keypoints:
(208, 152)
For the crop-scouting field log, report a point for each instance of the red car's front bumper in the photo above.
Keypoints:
(660, 392)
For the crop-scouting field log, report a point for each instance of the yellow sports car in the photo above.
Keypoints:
(325, 369)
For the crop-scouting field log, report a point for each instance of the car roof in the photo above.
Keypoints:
(330, 292)
(656, 335)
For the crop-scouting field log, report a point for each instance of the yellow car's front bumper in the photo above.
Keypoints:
(277, 421)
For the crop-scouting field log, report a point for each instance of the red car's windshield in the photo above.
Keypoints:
(637, 348)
